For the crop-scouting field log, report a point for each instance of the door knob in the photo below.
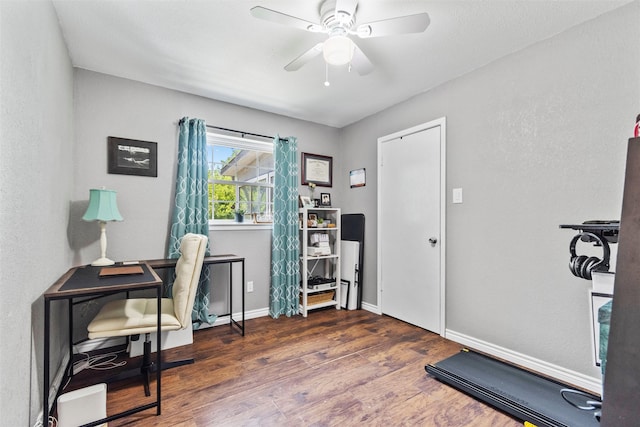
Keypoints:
(433, 241)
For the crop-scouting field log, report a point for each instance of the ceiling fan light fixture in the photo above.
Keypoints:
(338, 50)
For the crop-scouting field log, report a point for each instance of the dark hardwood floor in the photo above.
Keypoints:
(332, 368)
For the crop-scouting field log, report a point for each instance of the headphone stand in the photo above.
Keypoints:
(606, 230)
(600, 233)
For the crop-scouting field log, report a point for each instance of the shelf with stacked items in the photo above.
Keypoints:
(319, 258)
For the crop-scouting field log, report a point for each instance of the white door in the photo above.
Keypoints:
(410, 224)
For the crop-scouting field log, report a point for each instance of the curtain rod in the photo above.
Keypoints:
(243, 133)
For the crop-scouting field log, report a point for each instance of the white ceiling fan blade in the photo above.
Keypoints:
(360, 62)
(281, 18)
(401, 25)
(304, 58)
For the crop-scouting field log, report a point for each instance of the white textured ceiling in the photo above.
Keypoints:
(216, 49)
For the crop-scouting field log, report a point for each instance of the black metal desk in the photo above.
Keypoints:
(82, 282)
(214, 259)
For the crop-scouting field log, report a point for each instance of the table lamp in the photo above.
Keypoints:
(102, 208)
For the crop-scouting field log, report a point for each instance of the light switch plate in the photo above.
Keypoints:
(457, 195)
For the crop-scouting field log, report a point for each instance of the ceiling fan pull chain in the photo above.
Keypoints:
(326, 75)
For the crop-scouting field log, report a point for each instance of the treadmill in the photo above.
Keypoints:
(532, 398)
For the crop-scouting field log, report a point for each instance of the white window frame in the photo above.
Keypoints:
(246, 144)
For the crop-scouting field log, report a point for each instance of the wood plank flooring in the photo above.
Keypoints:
(331, 368)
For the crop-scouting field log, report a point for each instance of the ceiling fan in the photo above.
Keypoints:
(338, 21)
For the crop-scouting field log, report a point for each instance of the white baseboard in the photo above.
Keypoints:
(370, 307)
(224, 320)
(577, 379)
(559, 373)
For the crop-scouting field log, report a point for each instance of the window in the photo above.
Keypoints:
(241, 175)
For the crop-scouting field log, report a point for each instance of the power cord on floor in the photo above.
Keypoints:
(98, 362)
(53, 422)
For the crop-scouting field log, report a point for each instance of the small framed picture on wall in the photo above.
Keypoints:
(357, 178)
(132, 157)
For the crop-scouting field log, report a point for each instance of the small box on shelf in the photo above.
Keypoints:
(320, 283)
(319, 297)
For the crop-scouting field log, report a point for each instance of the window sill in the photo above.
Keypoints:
(233, 226)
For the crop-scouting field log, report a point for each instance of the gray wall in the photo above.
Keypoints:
(36, 168)
(535, 139)
(110, 106)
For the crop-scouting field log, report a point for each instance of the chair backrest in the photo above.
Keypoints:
(188, 267)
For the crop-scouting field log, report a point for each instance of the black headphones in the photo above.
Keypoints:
(582, 266)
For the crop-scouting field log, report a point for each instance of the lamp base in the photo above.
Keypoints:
(101, 262)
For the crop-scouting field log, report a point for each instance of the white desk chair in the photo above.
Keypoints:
(139, 315)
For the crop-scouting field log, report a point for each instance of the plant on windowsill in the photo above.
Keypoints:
(239, 215)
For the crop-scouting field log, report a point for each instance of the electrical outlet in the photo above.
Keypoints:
(250, 286)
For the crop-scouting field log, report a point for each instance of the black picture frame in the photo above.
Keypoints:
(325, 200)
(132, 157)
(317, 169)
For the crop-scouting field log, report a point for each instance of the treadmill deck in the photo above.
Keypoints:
(523, 394)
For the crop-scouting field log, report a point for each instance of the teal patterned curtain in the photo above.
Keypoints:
(191, 208)
(285, 250)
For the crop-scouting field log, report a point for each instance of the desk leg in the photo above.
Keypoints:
(45, 380)
(231, 295)
(158, 347)
(231, 319)
(70, 316)
(242, 287)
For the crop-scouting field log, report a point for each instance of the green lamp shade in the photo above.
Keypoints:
(102, 206)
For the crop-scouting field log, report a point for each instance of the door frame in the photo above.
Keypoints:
(441, 122)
